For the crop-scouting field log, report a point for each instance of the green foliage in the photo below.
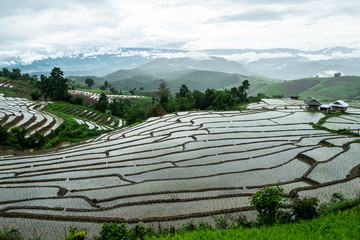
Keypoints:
(304, 209)
(338, 202)
(55, 86)
(319, 126)
(182, 91)
(35, 95)
(221, 222)
(140, 231)
(103, 103)
(78, 101)
(12, 234)
(267, 201)
(135, 113)
(189, 227)
(241, 222)
(75, 234)
(164, 94)
(90, 82)
(16, 139)
(112, 231)
(343, 225)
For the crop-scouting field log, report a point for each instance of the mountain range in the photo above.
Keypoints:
(278, 63)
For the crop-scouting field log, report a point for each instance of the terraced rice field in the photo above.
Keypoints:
(180, 166)
(95, 96)
(20, 112)
(348, 121)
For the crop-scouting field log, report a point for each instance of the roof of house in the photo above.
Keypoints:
(325, 106)
(339, 103)
(312, 102)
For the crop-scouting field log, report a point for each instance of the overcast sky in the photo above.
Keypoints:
(60, 27)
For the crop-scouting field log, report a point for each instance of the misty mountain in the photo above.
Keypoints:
(163, 66)
(195, 73)
(277, 63)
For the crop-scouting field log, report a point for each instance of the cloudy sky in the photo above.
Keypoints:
(54, 27)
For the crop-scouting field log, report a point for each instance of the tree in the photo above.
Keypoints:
(16, 74)
(106, 84)
(135, 114)
(267, 201)
(210, 95)
(112, 231)
(182, 91)
(90, 82)
(241, 93)
(304, 209)
(55, 87)
(164, 94)
(102, 103)
(114, 91)
(199, 99)
(5, 72)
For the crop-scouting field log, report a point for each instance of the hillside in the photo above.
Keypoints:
(347, 87)
(165, 65)
(214, 73)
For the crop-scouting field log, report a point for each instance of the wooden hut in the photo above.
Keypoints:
(339, 106)
(312, 104)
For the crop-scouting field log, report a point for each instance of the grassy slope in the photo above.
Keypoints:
(347, 87)
(343, 225)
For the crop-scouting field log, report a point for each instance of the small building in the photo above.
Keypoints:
(325, 108)
(312, 104)
(294, 97)
(339, 106)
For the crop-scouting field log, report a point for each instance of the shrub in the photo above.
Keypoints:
(304, 209)
(35, 95)
(75, 234)
(267, 201)
(221, 222)
(189, 227)
(78, 101)
(112, 231)
(140, 231)
(242, 222)
(12, 234)
(202, 226)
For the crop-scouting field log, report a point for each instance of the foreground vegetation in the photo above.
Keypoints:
(338, 219)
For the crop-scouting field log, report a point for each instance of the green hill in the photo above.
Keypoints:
(347, 87)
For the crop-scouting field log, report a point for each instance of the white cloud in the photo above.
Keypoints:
(41, 28)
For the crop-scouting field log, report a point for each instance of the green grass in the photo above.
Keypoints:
(8, 92)
(346, 87)
(59, 109)
(342, 225)
(274, 89)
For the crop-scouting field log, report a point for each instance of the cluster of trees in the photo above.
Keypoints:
(90, 82)
(16, 74)
(54, 87)
(182, 101)
(211, 99)
(130, 111)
